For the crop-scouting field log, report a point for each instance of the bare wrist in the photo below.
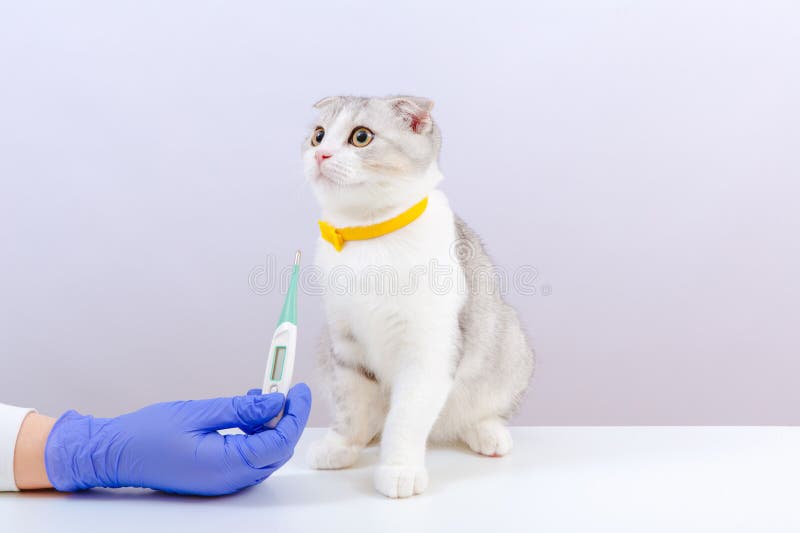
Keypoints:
(29, 469)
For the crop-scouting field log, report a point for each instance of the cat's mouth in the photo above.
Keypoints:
(333, 179)
(326, 179)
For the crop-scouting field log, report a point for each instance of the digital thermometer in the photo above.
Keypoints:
(280, 363)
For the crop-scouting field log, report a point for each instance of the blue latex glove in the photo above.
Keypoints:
(175, 447)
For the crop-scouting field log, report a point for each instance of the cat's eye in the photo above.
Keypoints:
(317, 136)
(361, 137)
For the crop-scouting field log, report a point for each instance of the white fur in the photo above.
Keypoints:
(408, 340)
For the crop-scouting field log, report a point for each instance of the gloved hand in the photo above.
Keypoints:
(175, 447)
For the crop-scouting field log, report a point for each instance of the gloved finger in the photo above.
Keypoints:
(269, 447)
(237, 411)
(253, 428)
(266, 472)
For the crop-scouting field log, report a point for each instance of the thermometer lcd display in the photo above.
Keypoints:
(277, 365)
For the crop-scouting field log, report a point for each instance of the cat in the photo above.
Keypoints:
(435, 359)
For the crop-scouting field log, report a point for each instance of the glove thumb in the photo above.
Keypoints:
(245, 412)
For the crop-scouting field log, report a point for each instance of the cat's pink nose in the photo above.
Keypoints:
(322, 156)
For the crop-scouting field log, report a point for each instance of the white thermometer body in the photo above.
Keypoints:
(280, 363)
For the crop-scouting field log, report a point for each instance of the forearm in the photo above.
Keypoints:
(29, 469)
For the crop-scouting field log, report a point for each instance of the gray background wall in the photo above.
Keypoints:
(643, 157)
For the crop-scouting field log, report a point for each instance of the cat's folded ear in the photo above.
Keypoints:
(325, 102)
(414, 111)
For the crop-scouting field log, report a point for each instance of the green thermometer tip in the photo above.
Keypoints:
(289, 311)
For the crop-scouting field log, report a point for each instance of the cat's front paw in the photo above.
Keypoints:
(399, 481)
(331, 454)
(489, 437)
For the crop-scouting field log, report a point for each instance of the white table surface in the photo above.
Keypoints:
(583, 479)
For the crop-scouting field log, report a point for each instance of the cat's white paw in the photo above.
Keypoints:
(331, 454)
(396, 481)
(489, 437)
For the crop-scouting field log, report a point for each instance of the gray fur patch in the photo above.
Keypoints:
(495, 354)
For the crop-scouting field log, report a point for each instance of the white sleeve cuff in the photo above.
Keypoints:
(10, 421)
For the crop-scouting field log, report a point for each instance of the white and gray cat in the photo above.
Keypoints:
(442, 357)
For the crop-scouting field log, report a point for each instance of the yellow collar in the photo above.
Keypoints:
(338, 236)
